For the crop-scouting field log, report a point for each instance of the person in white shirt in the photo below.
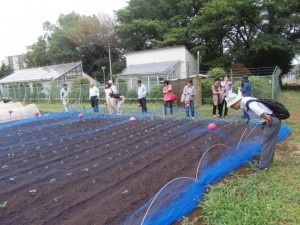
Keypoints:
(270, 124)
(94, 97)
(64, 97)
(141, 92)
(111, 102)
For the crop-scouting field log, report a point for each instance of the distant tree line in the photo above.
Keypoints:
(255, 33)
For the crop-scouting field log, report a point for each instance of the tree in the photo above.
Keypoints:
(39, 55)
(5, 70)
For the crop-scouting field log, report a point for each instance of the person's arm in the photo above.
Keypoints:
(213, 90)
(144, 90)
(266, 117)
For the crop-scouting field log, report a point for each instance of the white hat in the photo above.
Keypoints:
(231, 99)
(110, 81)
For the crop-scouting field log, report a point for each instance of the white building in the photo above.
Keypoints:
(156, 65)
(16, 62)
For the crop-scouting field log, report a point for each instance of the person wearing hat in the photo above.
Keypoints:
(270, 125)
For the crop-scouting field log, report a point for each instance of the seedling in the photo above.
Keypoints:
(33, 191)
(12, 179)
(52, 180)
(5, 167)
(69, 174)
(125, 192)
(85, 170)
(3, 205)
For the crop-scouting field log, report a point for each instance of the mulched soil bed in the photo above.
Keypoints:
(96, 171)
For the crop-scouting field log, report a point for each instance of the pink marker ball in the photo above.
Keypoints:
(139, 104)
(187, 105)
(212, 126)
(10, 111)
(36, 114)
(131, 119)
(105, 103)
(80, 115)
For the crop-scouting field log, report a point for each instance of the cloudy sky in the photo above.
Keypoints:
(21, 21)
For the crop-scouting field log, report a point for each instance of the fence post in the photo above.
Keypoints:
(80, 100)
(273, 82)
(231, 76)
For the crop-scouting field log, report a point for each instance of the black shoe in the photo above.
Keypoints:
(256, 168)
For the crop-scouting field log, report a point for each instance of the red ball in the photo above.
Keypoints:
(212, 126)
(80, 115)
(131, 119)
(36, 114)
(187, 105)
(10, 111)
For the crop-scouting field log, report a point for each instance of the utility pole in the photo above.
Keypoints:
(109, 58)
(103, 69)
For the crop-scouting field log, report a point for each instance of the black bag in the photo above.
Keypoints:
(278, 109)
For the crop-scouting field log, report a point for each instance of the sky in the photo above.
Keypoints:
(21, 21)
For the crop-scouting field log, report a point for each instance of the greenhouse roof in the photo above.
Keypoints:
(162, 68)
(39, 74)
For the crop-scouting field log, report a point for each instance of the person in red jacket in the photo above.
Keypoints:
(167, 92)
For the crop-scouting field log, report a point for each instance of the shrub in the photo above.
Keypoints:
(216, 72)
(156, 92)
(206, 90)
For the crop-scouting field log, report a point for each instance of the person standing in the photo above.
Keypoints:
(226, 86)
(270, 126)
(189, 92)
(217, 98)
(94, 96)
(141, 92)
(64, 97)
(167, 92)
(246, 91)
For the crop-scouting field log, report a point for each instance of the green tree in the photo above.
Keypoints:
(5, 70)
(39, 55)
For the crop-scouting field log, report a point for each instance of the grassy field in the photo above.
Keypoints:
(265, 197)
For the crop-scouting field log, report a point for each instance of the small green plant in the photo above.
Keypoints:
(3, 205)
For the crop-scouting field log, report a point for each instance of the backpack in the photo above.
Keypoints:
(278, 109)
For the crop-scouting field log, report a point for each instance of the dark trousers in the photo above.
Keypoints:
(94, 103)
(170, 104)
(224, 104)
(192, 108)
(142, 102)
(219, 109)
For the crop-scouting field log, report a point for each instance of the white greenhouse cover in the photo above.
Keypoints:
(38, 74)
(150, 68)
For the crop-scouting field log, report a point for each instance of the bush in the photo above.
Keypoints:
(216, 72)
(206, 91)
(156, 92)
